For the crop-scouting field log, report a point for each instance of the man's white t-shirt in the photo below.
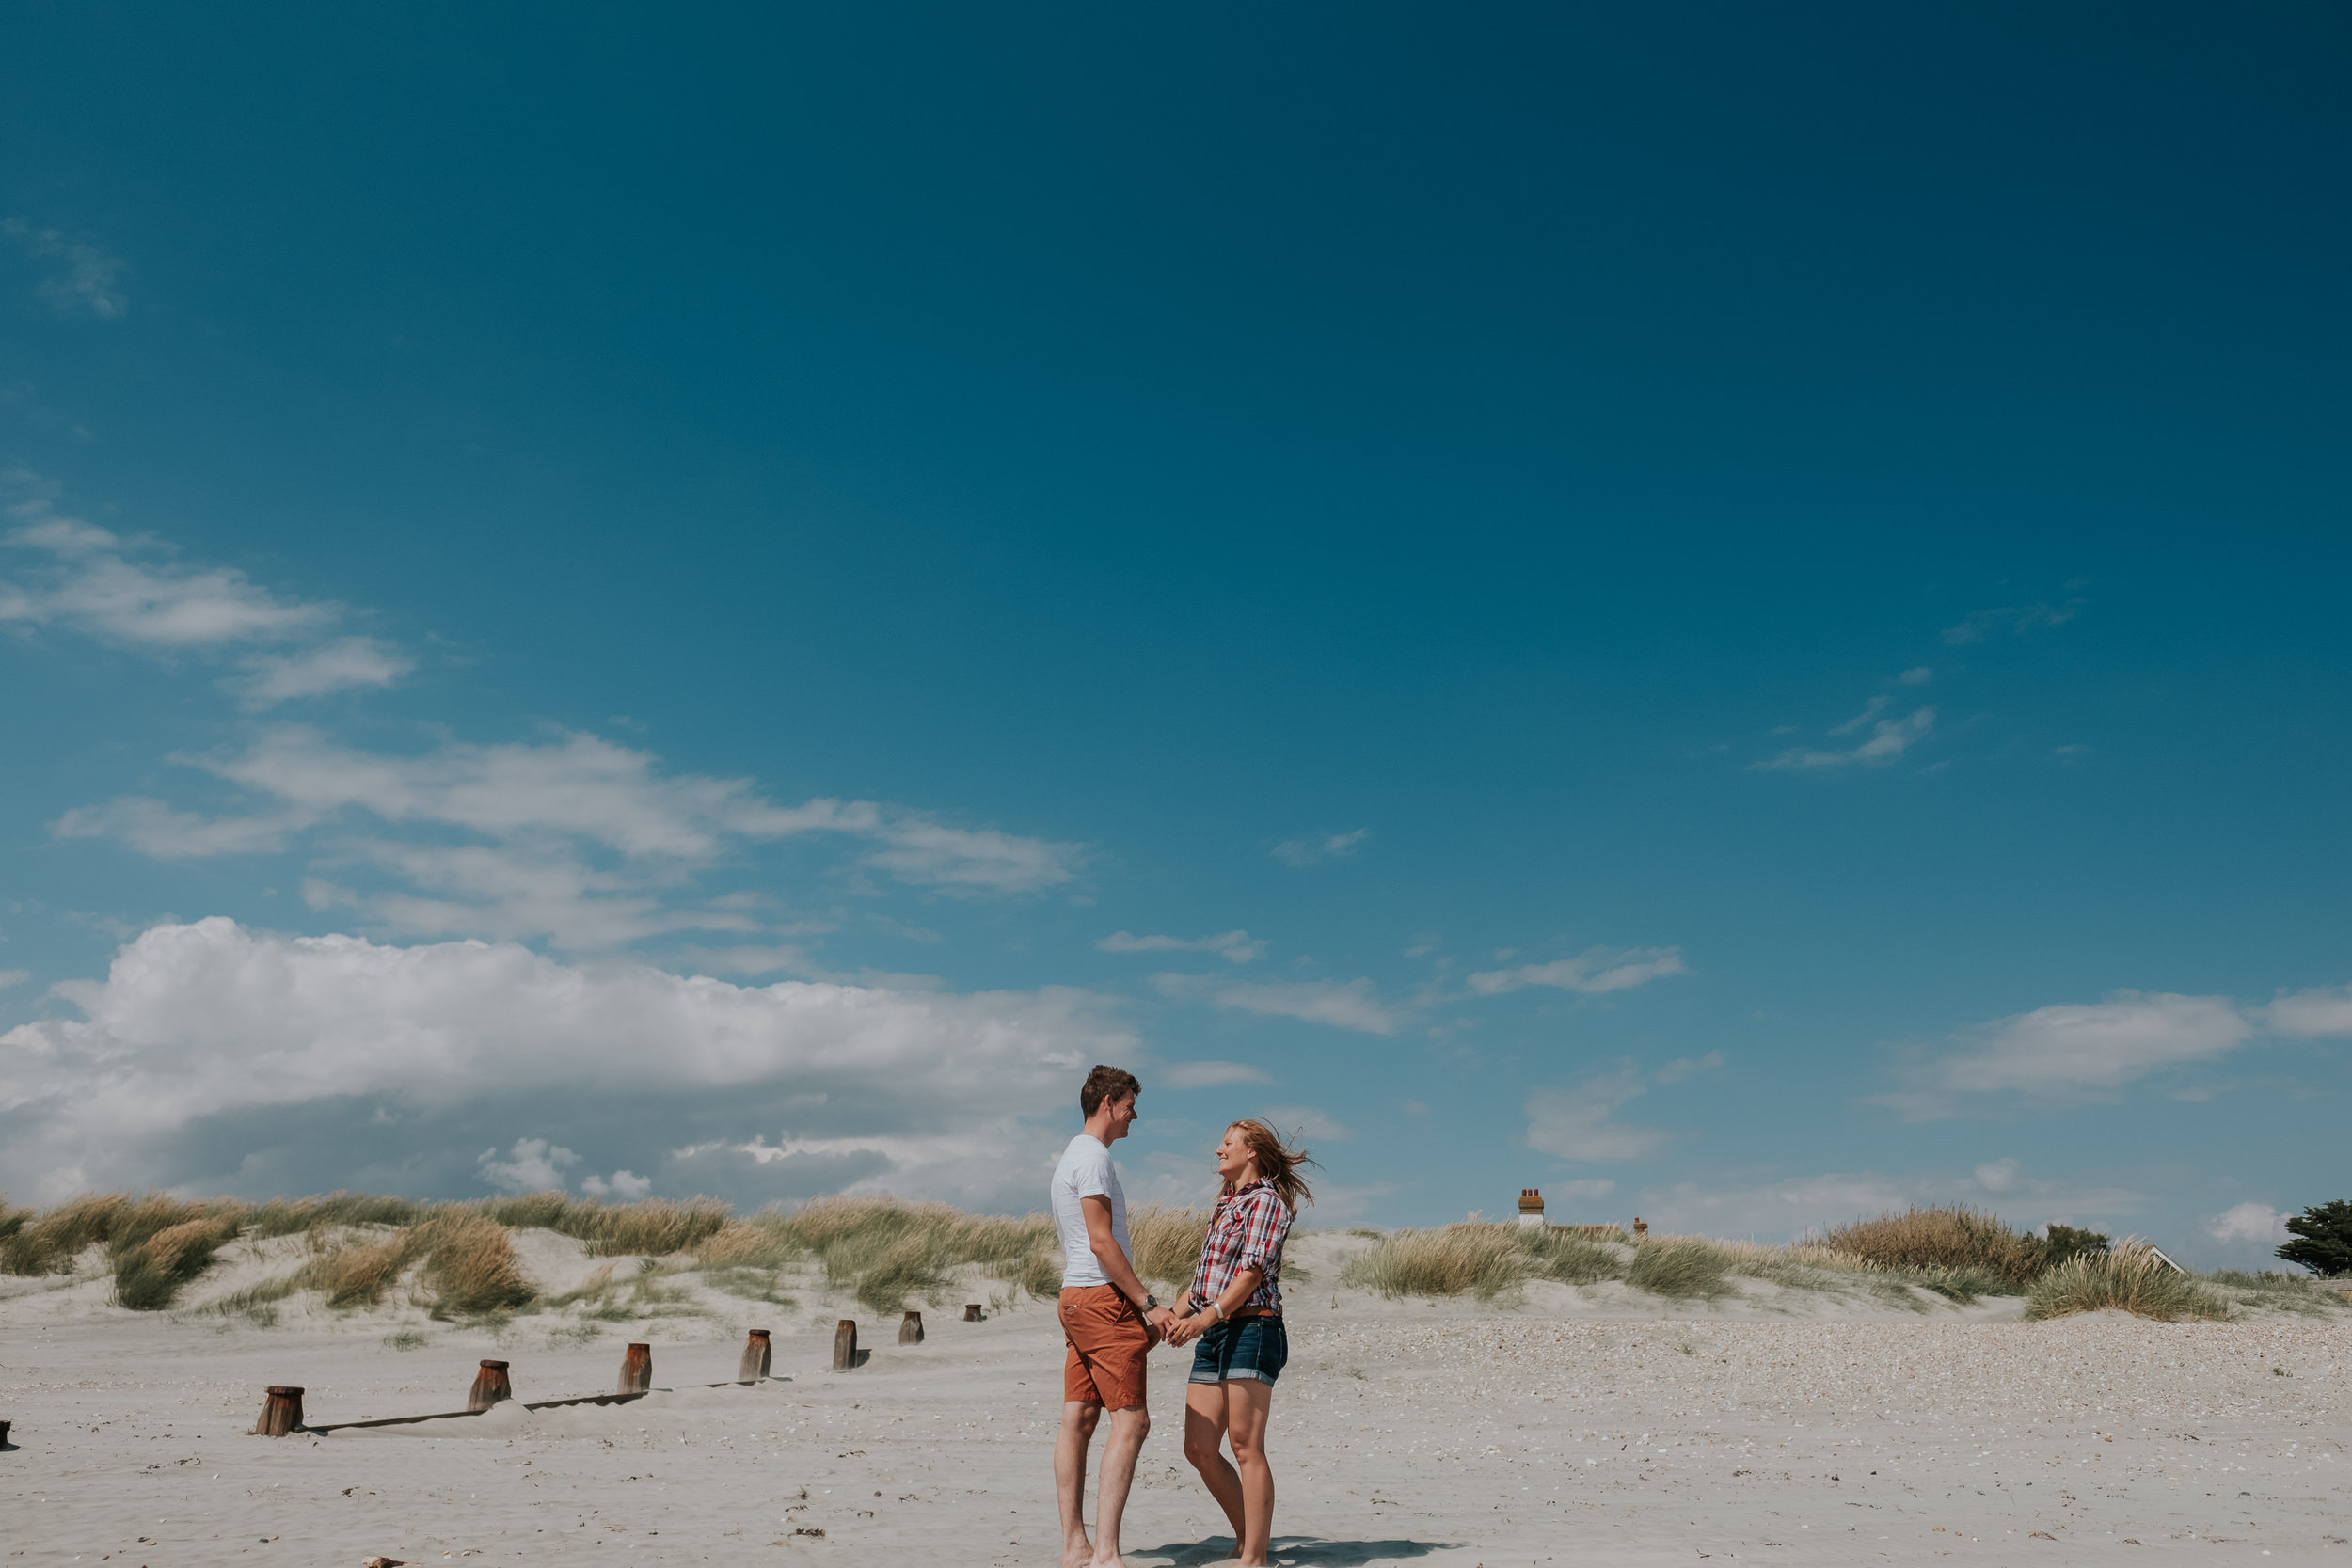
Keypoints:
(1085, 1171)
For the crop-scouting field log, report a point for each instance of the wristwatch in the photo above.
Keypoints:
(1151, 1302)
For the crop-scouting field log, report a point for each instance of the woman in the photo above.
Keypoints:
(1234, 1310)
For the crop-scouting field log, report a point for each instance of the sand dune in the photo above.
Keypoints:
(1583, 1425)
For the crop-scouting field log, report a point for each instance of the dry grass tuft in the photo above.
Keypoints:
(1166, 1241)
(1484, 1261)
(470, 1264)
(1680, 1266)
(1946, 1238)
(2130, 1277)
(653, 1227)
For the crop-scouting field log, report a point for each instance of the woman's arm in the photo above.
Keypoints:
(1245, 1284)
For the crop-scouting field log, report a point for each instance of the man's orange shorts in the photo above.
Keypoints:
(1108, 1340)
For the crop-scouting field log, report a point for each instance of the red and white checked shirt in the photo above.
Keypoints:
(1245, 1232)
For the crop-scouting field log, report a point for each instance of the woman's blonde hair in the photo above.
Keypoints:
(1277, 1162)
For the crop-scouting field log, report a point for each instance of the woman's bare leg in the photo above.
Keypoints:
(1204, 1436)
(1248, 1405)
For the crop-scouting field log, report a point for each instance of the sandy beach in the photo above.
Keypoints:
(1586, 1426)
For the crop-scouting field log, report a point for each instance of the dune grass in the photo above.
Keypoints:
(2130, 1277)
(1949, 1238)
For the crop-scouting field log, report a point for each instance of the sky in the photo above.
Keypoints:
(1735, 615)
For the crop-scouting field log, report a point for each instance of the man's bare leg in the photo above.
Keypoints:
(1129, 1428)
(1069, 1479)
(1204, 1439)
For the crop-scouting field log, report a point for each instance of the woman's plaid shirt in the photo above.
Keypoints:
(1245, 1232)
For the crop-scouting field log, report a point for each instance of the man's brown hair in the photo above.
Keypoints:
(1107, 1083)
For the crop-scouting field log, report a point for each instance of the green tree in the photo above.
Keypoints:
(2062, 1242)
(2323, 1239)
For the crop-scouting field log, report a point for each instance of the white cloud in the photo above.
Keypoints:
(1304, 1121)
(1594, 972)
(1342, 1004)
(14, 977)
(1578, 1124)
(1687, 1066)
(1233, 947)
(2308, 1014)
(1591, 1186)
(2255, 1223)
(217, 1055)
(136, 594)
(1981, 623)
(1320, 847)
(90, 280)
(556, 812)
(2075, 1047)
(1208, 1075)
(342, 665)
(1998, 1175)
(1918, 674)
(1870, 710)
(533, 1165)
(626, 1186)
(1889, 739)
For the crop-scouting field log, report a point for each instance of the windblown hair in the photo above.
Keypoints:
(1277, 1162)
(1106, 1083)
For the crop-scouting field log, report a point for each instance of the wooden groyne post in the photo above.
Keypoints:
(758, 1351)
(971, 1311)
(490, 1386)
(636, 1369)
(845, 1345)
(281, 1413)
(911, 1329)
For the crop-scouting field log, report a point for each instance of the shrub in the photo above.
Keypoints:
(2062, 1242)
(2130, 1277)
(2323, 1239)
(1948, 1237)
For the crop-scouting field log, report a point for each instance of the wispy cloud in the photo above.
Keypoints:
(578, 840)
(2310, 1014)
(1305, 1121)
(1233, 947)
(74, 577)
(2014, 619)
(1579, 1123)
(87, 280)
(1317, 847)
(1594, 972)
(1208, 1075)
(1889, 739)
(1870, 710)
(2101, 1045)
(1341, 1004)
(1918, 674)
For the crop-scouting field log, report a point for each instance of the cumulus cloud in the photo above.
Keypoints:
(1579, 1123)
(222, 1056)
(87, 279)
(1341, 1004)
(2072, 1048)
(1998, 1175)
(2309, 1014)
(1317, 847)
(625, 1186)
(588, 841)
(1594, 972)
(2249, 1223)
(533, 1165)
(1233, 947)
(1889, 739)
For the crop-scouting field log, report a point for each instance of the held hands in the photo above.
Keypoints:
(1162, 1324)
(1184, 1331)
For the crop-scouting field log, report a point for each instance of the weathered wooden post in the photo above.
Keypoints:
(1641, 1229)
(911, 1329)
(3, 1434)
(845, 1345)
(971, 1311)
(281, 1413)
(636, 1369)
(758, 1353)
(490, 1385)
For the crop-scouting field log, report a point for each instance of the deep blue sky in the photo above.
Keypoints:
(1158, 440)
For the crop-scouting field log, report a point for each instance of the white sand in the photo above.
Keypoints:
(1592, 1427)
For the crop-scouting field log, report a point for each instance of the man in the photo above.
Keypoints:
(1108, 1318)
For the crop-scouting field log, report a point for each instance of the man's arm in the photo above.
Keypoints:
(1107, 1252)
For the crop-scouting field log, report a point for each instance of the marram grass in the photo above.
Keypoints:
(2129, 1276)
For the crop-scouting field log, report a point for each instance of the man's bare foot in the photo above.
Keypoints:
(1114, 1561)
(1078, 1552)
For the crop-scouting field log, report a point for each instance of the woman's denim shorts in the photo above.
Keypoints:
(1245, 1347)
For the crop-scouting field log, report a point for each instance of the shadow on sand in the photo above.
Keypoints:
(1298, 1551)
